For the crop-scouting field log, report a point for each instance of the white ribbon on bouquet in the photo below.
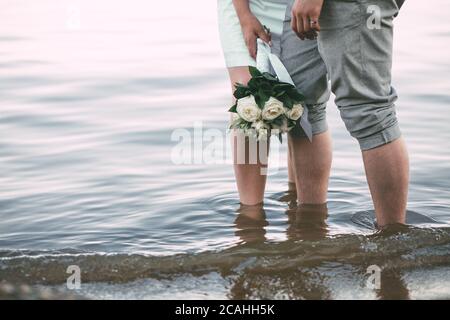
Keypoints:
(264, 59)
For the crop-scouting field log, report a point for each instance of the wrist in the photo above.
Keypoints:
(246, 17)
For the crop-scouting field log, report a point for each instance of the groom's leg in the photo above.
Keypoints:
(311, 161)
(356, 44)
(387, 172)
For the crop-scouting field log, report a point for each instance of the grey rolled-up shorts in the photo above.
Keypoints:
(351, 51)
(355, 43)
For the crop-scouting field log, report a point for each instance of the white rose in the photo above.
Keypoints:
(295, 113)
(262, 129)
(235, 121)
(259, 125)
(273, 108)
(248, 109)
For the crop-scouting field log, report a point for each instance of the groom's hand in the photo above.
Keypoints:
(305, 18)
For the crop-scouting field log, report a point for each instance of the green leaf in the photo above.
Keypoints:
(295, 95)
(278, 121)
(267, 87)
(269, 76)
(280, 94)
(239, 85)
(259, 101)
(254, 72)
(241, 92)
(263, 95)
(288, 103)
(233, 108)
(283, 86)
(253, 85)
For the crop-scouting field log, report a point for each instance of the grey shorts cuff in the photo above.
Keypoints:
(317, 116)
(381, 138)
(317, 128)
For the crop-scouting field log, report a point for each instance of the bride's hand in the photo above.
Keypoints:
(252, 30)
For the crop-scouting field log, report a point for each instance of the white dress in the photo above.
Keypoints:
(270, 13)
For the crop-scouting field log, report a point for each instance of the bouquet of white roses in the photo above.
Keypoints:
(266, 106)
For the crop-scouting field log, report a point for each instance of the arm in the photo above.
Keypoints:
(251, 27)
(305, 17)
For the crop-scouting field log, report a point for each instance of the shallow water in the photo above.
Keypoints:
(90, 96)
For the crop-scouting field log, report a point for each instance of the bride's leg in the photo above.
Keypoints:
(250, 177)
(312, 161)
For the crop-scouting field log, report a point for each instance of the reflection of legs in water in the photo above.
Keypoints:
(257, 281)
(261, 283)
(250, 223)
(392, 286)
(307, 222)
